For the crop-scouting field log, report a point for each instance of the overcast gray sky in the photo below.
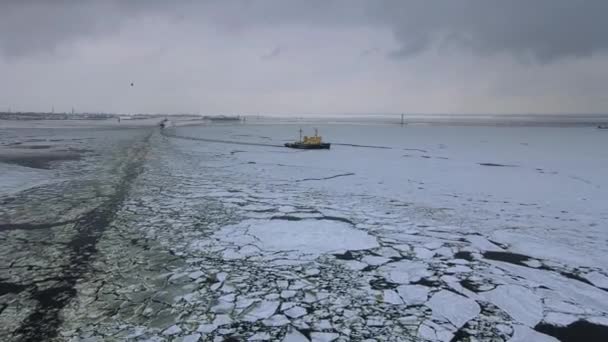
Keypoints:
(306, 56)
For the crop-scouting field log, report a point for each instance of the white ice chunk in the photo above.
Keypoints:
(445, 251)
(458, 269)
(261, 336)
(423, 253)
(222, 307)
(432, 331)
(597, 279)
(310, 297)
(244, 302)
(296, 311)
(176, 276)
(533, 263)
(454, 284)
(455, 308)
(276, 321)
(287, 294)
(391, 297)
(310, 237)
(598, 320)
(559, 319)
(405, 271)
(375, 321)
(413, 294)
(323, 337)
(403, 247)
(294, 336)
(299, 284)
(388, 252)
(584, 295)
(312, 271)
(196, 274)
(519, 302)
(261, 310)
(287, 305)
(426, 332)
(554, 304)
(230, 254)
(354, 265)
(221, 276)
(227, 298)
(191, 338)
(222, 320)
(374, 260)
(323, 325)
(272, 296)
(482, 244)
(525, 334)
(206, 328)
(172, 330)
(433, 245)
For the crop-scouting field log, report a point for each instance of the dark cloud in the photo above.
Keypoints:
(544, 30)
(35, 26)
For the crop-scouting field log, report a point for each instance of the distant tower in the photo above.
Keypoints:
(402, 119)
(53, 109)
(72, 110)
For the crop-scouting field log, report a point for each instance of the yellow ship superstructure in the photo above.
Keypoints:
(306, 142)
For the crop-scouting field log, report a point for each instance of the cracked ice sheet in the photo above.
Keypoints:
(581, 293)
(525, 334)
(455, 308)
(405, 271)
(523, 305)
(537, 246)
(260, 310)
(308, 238)
(371, 213)
(413, 294)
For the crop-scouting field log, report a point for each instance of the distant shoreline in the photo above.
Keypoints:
(49, 120)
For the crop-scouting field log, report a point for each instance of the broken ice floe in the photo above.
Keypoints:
(212, 247)
(308, 238)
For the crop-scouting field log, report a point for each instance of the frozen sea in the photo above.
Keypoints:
(217, 233)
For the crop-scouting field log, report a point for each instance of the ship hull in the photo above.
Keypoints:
(322, 146)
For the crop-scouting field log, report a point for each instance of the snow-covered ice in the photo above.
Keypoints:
(524, 334)
(294, 336)
(437, 232)
(296, 312)
(405, 271)
(413, 294)
(260, 310)
(519, 302)
(307, 237)
(455, 308)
